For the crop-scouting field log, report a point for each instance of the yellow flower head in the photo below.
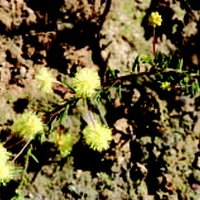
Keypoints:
(97, 136)
(65, 144)
(4, 154)
(155, 19)
(44, 80)
(27, 125)
(85, 83)
(166, 85)
(7, 171)
(186, 79)
(7, 168)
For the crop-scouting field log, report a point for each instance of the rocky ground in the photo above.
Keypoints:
(155, 149)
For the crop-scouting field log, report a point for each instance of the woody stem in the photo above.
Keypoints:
(154, 42)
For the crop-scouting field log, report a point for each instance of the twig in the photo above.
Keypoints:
(24, 147)
(90, 115)
(154, 42)
(15, 144)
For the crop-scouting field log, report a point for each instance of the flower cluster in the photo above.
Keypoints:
(65, 144)
(85, 83)
(7, 168)
(44, 80)
(27, 125)
(155, 19)
(97, 136)
(166, 85)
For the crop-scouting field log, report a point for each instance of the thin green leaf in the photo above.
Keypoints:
(119, 90)
(68, 85)
(180, 64)
(31, 155)
(64, 113)
(111, 72)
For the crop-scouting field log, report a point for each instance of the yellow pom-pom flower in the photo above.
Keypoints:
(44, 80)
(97, 136)
(7, 171)
(4, 154)
(166, 85)
(86, 82)
(7, 168)
(27, 125)
(155, 19)
(65, 144)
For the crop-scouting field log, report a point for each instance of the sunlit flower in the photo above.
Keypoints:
(155, 19)
(97, 136)
(27, 125)
(86, 82)
(4, 154)
(65, 144)
(44, 80)
(7, 168)
(7, 171)
(186, 79)
(166, 85)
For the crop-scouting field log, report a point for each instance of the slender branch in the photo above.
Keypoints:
(19, 142)
(90, 115)
(154, 42)
(147, 74)
(24, 147)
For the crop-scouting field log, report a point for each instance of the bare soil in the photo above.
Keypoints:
(149, 158)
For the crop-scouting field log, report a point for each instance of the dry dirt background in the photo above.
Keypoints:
(148, 159)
